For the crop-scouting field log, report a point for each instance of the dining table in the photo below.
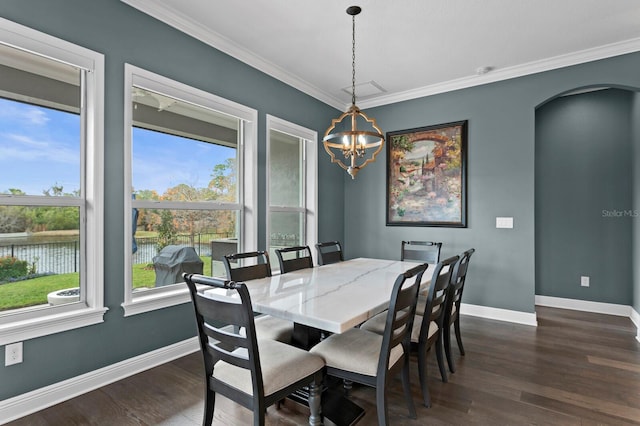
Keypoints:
(330, 299)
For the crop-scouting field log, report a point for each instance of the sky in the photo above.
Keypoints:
(161, 161)
(39, 147)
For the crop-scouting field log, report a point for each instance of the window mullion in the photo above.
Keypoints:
(40, 201)
(286, 209)
(184, 205)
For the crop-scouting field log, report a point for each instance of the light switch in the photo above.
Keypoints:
(504, 222)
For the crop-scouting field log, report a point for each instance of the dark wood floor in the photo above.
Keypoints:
(575, 368)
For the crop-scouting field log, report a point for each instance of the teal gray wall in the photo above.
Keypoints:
(500, 172)
(583, 165)
(123, 34)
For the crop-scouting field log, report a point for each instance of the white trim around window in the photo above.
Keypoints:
(29, 323)
(247, 179)
(310, 169)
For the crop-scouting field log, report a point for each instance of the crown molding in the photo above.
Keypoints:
(548, 64)
(196, 30)
(182, 23)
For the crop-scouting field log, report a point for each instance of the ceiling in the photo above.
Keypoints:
(405, 48)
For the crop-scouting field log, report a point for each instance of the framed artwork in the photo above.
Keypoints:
(426, 176)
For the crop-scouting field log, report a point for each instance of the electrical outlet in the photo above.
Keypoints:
(584, 281)
(13, 354)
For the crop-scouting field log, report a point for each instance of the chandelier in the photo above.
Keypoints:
(353, 137)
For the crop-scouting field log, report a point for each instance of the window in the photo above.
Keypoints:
(291, 186)
(189, 189)
(51, 224)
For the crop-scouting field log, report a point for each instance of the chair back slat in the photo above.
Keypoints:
(253, 272)
(260, 267)
(225, 337)
(226, 327)
(294, 258)
(402, 308)
(424, 251)
(435, 306)
(236, 356)
(329, 252)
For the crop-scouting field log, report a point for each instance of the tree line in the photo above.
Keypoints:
(221, 187)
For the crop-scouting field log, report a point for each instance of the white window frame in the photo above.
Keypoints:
(247, 181)
(29, 323)
(310, 178)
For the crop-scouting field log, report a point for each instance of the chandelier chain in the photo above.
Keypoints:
(353, 61)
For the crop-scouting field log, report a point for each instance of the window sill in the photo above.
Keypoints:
(50, 324)
(150, 302)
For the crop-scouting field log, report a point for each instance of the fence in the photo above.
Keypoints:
(57, 258)
(148, 246)
(64, 257)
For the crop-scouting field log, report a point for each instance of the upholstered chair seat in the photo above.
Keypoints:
(377, 323)
(355, 350)
(268, 327)
(281, 365)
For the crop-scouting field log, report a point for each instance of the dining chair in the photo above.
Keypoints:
(368, 358)
(247, 266)
(427, 328)
(253, 373)
(294, 258)
(329, 252)
(250, 266)
(452, 312)
(424, 251)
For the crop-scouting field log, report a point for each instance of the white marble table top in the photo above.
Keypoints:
(333, 297)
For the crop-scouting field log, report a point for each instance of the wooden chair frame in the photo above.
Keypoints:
(454, 298)
(299, 262)
(220, 343)
(261, 269)
(434, 311)
(428, 251)
(397, 331)
(329, 252)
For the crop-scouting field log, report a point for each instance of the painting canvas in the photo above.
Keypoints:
(426, 176)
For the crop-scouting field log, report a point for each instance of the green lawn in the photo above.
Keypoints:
(32, 292)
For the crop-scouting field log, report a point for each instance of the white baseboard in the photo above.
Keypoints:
(39, 399)
(595, 307)
(635, 318)
(584, 305)
(499, 314)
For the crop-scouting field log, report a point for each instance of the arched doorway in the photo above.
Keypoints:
(584, 195)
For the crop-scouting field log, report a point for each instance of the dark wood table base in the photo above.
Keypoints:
(335, 404)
